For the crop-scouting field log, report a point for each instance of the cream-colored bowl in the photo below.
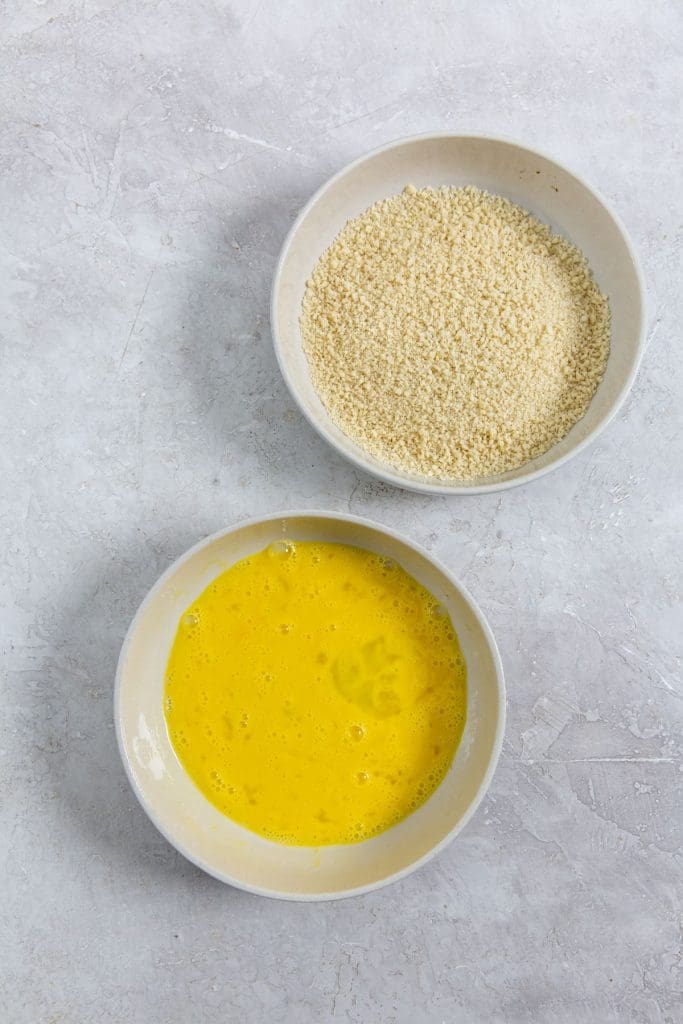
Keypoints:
(225, 849)
(529, 178)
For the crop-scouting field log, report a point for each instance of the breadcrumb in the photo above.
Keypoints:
(452, 335)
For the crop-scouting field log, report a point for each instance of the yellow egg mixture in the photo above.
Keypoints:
(315, 693)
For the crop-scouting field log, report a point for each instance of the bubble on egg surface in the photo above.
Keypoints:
(282, 548)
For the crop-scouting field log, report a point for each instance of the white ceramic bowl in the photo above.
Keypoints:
(225, 849)
(527, 177)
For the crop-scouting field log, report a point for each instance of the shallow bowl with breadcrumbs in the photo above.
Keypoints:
(458, 314)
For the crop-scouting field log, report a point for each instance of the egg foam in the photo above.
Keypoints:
(315, 693)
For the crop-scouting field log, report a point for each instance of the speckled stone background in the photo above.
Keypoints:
(153, 155)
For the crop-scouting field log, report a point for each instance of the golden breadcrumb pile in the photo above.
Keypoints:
(452, 335)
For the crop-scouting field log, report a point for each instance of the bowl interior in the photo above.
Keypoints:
(224, 848)
(534, 182)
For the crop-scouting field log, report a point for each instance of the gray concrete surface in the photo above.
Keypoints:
(152, 157)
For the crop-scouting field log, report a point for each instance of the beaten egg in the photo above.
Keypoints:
(315, 693)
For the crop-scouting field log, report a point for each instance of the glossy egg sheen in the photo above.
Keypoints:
(315, 693)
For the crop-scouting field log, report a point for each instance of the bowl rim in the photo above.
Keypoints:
(167, 831)
(384, 471)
